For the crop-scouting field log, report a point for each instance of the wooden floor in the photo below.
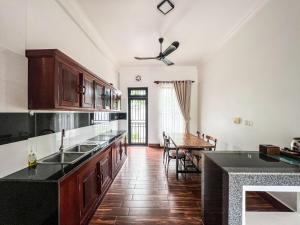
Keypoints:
(143, 194)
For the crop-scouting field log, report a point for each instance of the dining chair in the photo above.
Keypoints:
(212, 141)
(164, 141)
(171, 153)
(197, 154)
(200, 135)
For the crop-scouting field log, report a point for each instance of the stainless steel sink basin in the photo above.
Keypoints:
(102, 138)
(82, 148)
(62, 158)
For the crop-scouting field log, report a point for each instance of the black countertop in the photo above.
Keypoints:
(55, 172)
(253, 162)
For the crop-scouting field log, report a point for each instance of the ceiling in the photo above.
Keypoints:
(132, 27)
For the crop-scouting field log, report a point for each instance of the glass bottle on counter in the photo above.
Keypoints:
(32, 158)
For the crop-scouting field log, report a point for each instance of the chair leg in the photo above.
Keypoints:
(168, 162)
(164, 156)
(184, 167)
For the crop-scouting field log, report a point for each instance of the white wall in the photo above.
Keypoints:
(149, 75)
(256, 76)
(34, 24)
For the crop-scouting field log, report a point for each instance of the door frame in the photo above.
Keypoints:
(129, 113)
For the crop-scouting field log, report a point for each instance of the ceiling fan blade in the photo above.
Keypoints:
(167, 62)
(171, 48)
(144, 58)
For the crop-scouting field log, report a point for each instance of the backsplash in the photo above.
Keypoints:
(21, 126)
(39, 134)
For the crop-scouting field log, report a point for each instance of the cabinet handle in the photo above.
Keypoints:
(81, 89)
(78, 89)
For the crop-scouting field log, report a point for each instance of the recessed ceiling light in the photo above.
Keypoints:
(165, 6)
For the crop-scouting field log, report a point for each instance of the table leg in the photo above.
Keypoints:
(177, 163)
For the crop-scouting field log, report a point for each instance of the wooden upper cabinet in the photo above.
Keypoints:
(55, 81)
(87, 91)
(99, 95)
(115, 99)
(107, 98)
(68, 86)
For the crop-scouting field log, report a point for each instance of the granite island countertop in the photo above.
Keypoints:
(55, 172)
(253, 162)
(228, 175)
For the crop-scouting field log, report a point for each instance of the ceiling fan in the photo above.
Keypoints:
(163, 54)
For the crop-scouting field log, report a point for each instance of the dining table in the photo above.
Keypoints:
(188, 141)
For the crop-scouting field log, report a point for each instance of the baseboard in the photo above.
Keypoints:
(275, 202)
(154, 145)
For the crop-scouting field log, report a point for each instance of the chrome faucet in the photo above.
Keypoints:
(61, 148)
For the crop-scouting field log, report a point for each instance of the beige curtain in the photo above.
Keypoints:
(183, 94)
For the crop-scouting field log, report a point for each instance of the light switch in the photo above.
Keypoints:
(248, 123)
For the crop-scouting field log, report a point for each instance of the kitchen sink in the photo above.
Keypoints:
(82, 148)
(103, 138)
(62, 158)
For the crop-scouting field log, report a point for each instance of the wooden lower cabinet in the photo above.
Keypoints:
(104, 167)
(87, 185)
(81, 192)
(69, 201)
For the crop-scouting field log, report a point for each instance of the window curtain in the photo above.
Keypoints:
(170, 117)
(183, 94)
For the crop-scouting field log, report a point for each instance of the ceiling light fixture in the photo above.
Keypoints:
(165, 6)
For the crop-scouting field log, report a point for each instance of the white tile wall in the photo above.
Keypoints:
(13, 157)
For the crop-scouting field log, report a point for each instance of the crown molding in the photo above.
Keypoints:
(74, 11)
(236, 28)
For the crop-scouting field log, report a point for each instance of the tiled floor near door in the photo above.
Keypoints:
(143, 194)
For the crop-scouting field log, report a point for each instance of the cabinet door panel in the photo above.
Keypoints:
(99, 95)
(87, 91)
(69, 205)
(68, 86)
(105, 171)
(124, 148)
(107, 98)
(87, 189)
(114, 159)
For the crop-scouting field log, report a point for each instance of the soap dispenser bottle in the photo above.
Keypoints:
(32, 159)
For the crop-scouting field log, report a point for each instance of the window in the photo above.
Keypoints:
(170, 119)
(137, 92)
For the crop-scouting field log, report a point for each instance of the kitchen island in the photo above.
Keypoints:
(227, 176)
(53, 194)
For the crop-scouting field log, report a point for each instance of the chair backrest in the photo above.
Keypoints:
(212, 140)
(164, 138)
(164, 134)
(200, 135)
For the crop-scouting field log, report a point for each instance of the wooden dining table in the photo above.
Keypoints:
(188, 141)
